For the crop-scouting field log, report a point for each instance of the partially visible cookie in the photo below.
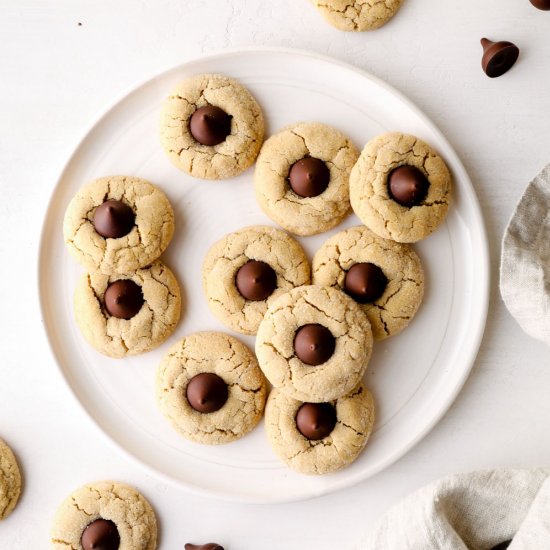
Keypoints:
(357, 15)
(211, 127)
(302, 177)
(210, 387)
(244, 272)
(118, 224)
(10, 480)
(319, 438)
(106, 514)
(124, 315)
(400, 188)
(314, 343)
(384, 277)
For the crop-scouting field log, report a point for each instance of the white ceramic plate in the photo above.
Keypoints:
(414, 376)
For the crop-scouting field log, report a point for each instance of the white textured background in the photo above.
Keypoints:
(57, 76)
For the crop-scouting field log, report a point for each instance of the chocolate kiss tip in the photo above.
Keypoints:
(485, 42)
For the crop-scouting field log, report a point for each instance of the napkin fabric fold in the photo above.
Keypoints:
(475, 511)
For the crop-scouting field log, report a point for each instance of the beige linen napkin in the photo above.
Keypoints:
(475, 511)
(525, 261)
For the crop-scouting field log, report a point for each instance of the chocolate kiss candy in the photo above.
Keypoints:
(208, 546)
(314, 344)
(113, 219)
(101, 534)
(309, 177)
(210, 125)
(256, 281)
(365, 282)
(541, 4)
(498, 57)
(407, 185)
(316, 420)
(123, 299)
(502, 545)
(207, 392)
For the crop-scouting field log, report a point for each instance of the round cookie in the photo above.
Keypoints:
(224, 261)
(423, 181)
(226, 106)
(190, 388)
(149, 234)
(153, 313)
(10, 481)
(339, 447)
(92, 509)
(324, 376)
(312, 213)
(357, 15)
(400, 294)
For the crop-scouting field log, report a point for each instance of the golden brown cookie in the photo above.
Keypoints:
(147, 312)
(10, 480)
(105, 511)
(314, 343)
(319, 438)
(400, 188)
(384, 277)
(305, 200)
(285, 266)
(211, 389)
(133, 209)
(357, 15)
(223, 115)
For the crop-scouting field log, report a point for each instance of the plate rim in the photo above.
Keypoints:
(484, 279)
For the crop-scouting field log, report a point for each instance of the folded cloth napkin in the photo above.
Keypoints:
(476, 511)
(525, 261)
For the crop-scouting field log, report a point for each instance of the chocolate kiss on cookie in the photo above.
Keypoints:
(210, 125)
(309, 177)
(101, 534)
(365, 282)
(407, 185)
(113, 219)
(314, 344)
(123, 299)
(207, 392)
(316, 420)
(256, 281)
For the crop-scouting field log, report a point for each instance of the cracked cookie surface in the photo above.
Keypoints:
(370, 198)
(222, 262)
(354, 422)
(10, 480)
(395, 308)
(349, 326)
(155, 321)
(357, 15)
(153, 229)
(230, 157)
(305, 215)
(109, 500)
(235, 364)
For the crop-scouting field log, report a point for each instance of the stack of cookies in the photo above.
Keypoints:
(314, 324)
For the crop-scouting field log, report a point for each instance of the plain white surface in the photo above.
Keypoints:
(411, 391)
(57, 76)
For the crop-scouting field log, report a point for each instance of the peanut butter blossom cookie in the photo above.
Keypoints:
(400, 188)
(314, 343)
(384, 277)
(10, 481)
(246, 271)
(124, 315)
(357, 15)
(302, 177)
(107, 515)
(210, 387)
(319, 438)
(118, 224)
(211, 127)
